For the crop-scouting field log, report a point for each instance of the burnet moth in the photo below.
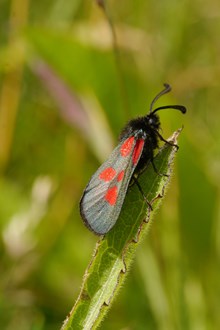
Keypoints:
(104, 195)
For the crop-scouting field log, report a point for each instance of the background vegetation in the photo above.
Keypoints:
(63, 101)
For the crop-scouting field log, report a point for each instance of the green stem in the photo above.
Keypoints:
(115, 251)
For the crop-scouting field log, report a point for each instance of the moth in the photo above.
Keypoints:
(104, 195)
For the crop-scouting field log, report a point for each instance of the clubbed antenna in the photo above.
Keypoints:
(167, 89)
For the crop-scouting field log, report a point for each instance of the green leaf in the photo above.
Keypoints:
(115, 251)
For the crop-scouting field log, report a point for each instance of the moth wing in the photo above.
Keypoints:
(104, 195)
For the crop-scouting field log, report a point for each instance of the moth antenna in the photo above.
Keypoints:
(166, 90)
(175, 107)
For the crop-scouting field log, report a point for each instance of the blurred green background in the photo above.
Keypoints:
(63, 101)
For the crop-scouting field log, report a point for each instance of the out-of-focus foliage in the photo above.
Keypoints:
(63, 101)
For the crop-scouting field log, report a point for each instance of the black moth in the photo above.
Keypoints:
(104, 195)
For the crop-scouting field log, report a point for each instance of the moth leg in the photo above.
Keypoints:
(164, 140)
(156, 170)
(132, 182)
(142, 193)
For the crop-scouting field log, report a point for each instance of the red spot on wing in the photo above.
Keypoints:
(127, 146)
(120, 175)
(111, 195)
(137, 151)
(107, 174)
